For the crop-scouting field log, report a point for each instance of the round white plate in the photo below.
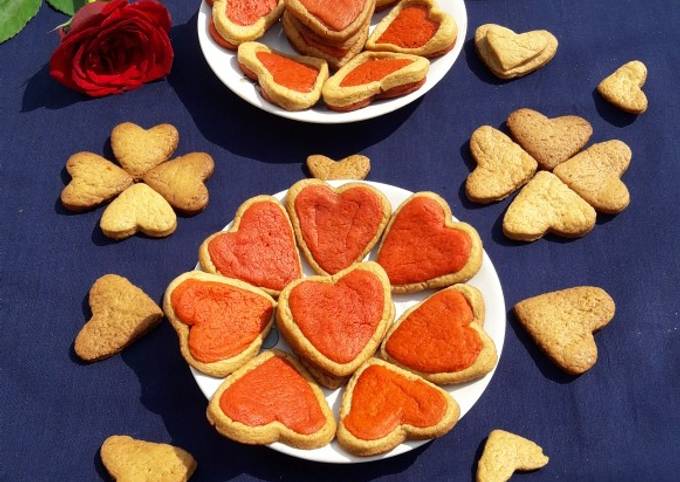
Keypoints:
(465, 394)
(223, 63)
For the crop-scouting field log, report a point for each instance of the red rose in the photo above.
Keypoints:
(112, 47)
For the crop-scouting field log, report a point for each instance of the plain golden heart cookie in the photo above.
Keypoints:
(138, 208)
(182, 181)
(139, 150)
(504, 453)
(502, 166)
(509, 55)
(128, 459)
(562, 324)
(595, 174)
(547, 204)
(121, 313)
(94, 180)
(549, 141)
(355, 166)
(623, 88)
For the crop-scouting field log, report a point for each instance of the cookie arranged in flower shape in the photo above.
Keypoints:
(424, 248)
(544, 205)
(138, 209)
(237, 21)
(623, 88)
(562, 324)
(139, 150)
(549, 141)
(502, 166)
(383, 405)
(595, 174)
(94, 180)
(416, 27)
(509, 55)
(334, 21)
(220, 322)
(504, 453)
(272, 398)
(337, 322)
(336, 227)
(355, 166)
(374, 75)
(293, 83)
(442, 339)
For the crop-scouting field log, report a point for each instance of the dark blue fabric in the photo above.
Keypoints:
(618, 422)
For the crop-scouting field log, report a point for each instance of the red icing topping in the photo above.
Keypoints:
(339, 319)
(435, 337)
(337, 227)
(247, 12)
(273, 392)
(383, 399)
(224, 319)
(411, 29)
(418, 247)
(372, 70)
(261, 252)
(288, 72)
(335, 14)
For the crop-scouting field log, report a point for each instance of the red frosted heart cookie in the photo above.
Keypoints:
(237, 21)
(336, 227)
(384, 405)
(258, 248)
(442, 338)
(220, 322)
(272, 398)
(334, 21)
(337, 322)
(423, 248)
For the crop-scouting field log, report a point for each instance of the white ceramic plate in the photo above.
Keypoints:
(465, 394)
(224, 65)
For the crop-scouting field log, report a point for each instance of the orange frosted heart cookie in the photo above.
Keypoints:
(334, 21)
(374, 75)
(220, 322)
(293, 83)
(384, 405)
(416, 27)
(337, 322)
(238, 21)
(272, 398)
(258, 248)
(423, 248)
(442, 338)
(336, 227)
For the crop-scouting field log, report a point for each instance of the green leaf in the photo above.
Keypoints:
(14, 15)
(69, 7)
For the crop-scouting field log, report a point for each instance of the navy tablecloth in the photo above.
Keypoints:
(620, 421)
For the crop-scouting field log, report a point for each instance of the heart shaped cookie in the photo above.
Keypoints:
(623, 88)
(504, 453)
(384, 405)
(94, 180)
(595, 174)
(547, 204)
(138, 208)
(258, 248)
(121, 313)
(181, 181)
(221, 322)
(337, 322)
(336, 227)
(442, 339)
(502, 166)
(351, 167)
(130, 459)
(333, 21)
(424, 248)
(549, 141)
(238, 21)
(272, 398)
(562, 324)
(509, 55)
(138, 150)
